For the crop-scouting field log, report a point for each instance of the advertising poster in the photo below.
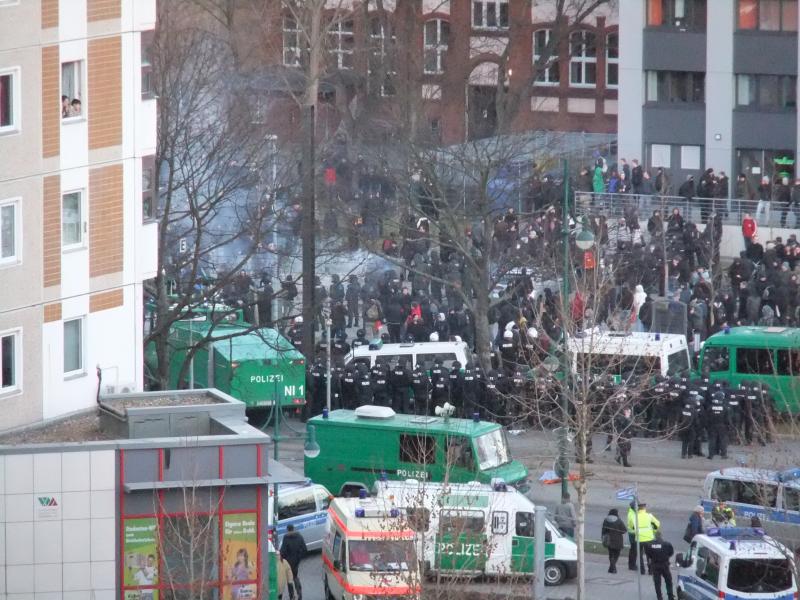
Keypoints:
(239, 556)
(141, 558)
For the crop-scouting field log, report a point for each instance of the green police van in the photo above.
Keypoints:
(259, 366)
(358, 447)
(768, 355)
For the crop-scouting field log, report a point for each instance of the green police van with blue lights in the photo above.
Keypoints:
(358, 447)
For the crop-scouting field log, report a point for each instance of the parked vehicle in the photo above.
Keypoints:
(368, 552)
(772, 496)
(423, 353)
(736, 562)
(767, 355)
(356, 447)
(306, 508)
(478, 529)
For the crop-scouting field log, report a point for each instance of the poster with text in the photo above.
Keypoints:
(141, 559)
(240, 556)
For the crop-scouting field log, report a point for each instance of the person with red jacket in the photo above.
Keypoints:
(749, 229)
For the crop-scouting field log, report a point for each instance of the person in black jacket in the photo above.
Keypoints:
(293, 549)
(658, 553)
(612, 534)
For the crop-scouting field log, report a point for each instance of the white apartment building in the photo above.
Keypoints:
(77, 136)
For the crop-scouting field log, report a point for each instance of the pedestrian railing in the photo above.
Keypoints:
(697, 210)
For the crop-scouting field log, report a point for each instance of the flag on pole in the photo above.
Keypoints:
(628, 493)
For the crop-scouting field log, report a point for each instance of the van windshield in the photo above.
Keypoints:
(492, 450)
(677, 362)
(753, 576)
(384, 556)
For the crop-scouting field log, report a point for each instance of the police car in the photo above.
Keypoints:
(305, 507)
(735, 563)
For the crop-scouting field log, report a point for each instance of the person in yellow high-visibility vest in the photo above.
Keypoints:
(644, 525)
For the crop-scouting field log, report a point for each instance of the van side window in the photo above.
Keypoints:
(419, 519)
(417, 449)
(788, 362)
(295, 504)
(456, 523)
(746, 492)
(337, 546)
(448, 358)
(754, 360)
(459, 452)
(524, 524)
(716, 358)
(791, 499)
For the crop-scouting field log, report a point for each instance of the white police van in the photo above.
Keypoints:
(423, 353)
(475, 529)
(736, 563)
(772, 496)
(629, 353)
(304, 506)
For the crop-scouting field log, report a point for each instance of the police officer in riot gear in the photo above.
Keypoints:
(456, 396)
(421, 387)
(363, 384)
(440, 383)
(349, 390)
(399, 382)
(361, 339)
(688, 426)
(379, 383)
(717, 425)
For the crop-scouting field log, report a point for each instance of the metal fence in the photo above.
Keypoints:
(697, 210)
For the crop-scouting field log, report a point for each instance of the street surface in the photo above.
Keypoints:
(669, 485)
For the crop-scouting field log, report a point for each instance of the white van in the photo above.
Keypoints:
(629, 353)
(478, 529)
(418, 352)
(736, 563)
(368, 552)
(304, 506)
(772, 496)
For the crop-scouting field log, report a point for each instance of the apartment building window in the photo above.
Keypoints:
(380, 64)
(545, 57)
(768, 15)
(10, 352)
(9, 232)
(766, 91)
(72, 221)
(612, 60)
(149, 188)
(342, 43)
(9, 100)
(73, 346)
(148, 92)
(292, 48)
(679, 87)
(72, 89)
(680, 14)
(437, 36)
(492, 14)
(583, 59)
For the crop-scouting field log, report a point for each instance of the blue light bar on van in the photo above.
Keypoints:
(376, 344)
(789, 475)
(476, 417)
(360, 513)
(727, 329)
(394, 512)
(383, 476)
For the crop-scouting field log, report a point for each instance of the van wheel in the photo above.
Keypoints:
(554, 573)
(328, 595)
(680, 594)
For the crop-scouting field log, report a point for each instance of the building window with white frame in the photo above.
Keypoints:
(9, 100)
(490, 14)
(9, 232)
(545, 57)
(437, 38)
(73, 346)
(342, 42)
(72, 221)
(147, 83)
(72, 89)
(292, 48)
(582, 59)
(612, 60)
(380, 63)
(10, 353)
